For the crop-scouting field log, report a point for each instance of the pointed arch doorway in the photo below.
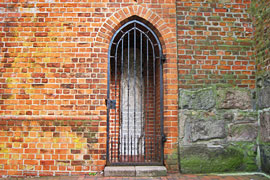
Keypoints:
(135, 97)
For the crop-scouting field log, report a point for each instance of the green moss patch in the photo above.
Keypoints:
(202, 159)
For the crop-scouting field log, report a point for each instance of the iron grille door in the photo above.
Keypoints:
(135, 97)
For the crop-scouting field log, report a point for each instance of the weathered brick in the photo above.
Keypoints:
(77, 163)
(46, 162)
(22, 96)
(41, 34)
(75, 151)
(38, 75)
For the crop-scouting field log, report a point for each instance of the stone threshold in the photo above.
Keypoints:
(135, 171)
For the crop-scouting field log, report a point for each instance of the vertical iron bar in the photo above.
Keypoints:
(115, 110)
(147, 90)
(161, 105)
(124, 148)
(120, 108)
(134, 88)
(111, 149)
(128, 86)
(122, 90)
(138, 148)
(108, 110)
(142, 133)
(151, 147)
(131, 159)
(144, 154)
(154, 74)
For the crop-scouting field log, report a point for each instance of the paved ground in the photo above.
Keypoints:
(169, 177)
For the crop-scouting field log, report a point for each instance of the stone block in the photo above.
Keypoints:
(240, 156)
(201, 126)
(246, 117)
(265, 126)
(203, 99)
(263, 80)
(264, 97)
(119, 171)
(234, 99)
(265, 158)
(150, 171)
(243, 132)
(206, 130)
(201, 159)
(135, 171)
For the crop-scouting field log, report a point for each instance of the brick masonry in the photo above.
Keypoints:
(46, 146)
(53, 80)
(215, 43)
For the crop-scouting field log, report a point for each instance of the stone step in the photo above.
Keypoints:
(135, 171)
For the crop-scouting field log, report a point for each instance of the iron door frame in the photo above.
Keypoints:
(111, 103)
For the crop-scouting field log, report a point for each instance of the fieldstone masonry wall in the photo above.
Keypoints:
(264, 119)
(261, 20)
(218, 130)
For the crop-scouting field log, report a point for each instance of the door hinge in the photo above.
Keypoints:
(163, 58)
(164, 138)
(111, 103)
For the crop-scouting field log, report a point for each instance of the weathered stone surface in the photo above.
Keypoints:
(234, 99)
(243, 132)
(202, 99)
(264, 97)
(119, 171)
(150, 171)
(239, 156)
(200, 159)
(265, 126)
(201, 126)
(206, 130)
(263, 80)
(229, 116)
(265, 157)
(246, 117)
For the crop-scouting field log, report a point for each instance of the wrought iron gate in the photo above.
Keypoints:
(135, 97)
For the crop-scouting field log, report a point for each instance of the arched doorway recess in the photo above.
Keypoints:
(135, 97)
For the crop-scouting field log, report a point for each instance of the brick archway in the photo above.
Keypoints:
(167, 36)
(109, 27)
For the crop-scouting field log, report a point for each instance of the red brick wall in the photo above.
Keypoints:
(215, 43)
(46, 146)
(54, 74)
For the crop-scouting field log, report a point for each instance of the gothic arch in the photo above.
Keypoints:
(166, 33)
(123, 15)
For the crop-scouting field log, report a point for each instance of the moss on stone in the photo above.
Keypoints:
(239, 156)
(206, 160)
(248, 149)
(171, 161)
